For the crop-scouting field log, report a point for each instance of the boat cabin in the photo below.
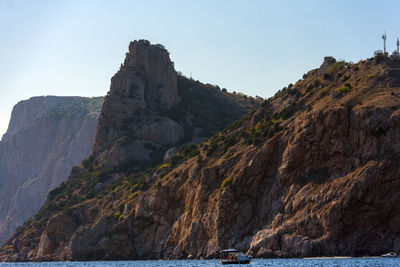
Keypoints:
(233, 256)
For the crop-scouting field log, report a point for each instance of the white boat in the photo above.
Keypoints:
(233, 256)
(389, 255)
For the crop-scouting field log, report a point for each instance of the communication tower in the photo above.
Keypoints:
(396, 54)
(384, 42)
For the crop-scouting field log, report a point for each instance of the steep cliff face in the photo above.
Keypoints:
(312, 172)
(148, 114)
(148, 110)
(141, 92)
(47, 136)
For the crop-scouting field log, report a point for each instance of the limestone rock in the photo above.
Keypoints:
(285, 200)
(141, 94)
(153, 63)
(163, 131)
(143, 117)
(46, 137)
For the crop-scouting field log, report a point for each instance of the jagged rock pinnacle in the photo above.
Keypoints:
(146, 87)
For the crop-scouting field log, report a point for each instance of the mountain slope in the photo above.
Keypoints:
(312, 172)
(46, 137)
(148, 114)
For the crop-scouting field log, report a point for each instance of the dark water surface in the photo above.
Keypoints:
(332, 262)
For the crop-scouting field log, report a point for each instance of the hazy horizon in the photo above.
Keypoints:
(73, 48)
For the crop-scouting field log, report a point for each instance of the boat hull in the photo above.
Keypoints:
(236, 262)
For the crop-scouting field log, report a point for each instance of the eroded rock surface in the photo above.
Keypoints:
(141, 94)
(46, 137)
(149, 110)
(304, 175)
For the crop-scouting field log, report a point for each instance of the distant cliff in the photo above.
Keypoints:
(46, 137)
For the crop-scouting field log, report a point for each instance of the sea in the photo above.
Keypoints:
(328, 262)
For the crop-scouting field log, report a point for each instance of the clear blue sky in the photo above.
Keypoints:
(73, 47)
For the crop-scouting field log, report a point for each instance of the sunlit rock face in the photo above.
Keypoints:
(46, 137)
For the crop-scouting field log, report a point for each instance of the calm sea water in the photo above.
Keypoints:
(356, 262)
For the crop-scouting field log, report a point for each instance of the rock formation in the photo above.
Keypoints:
(328, 61)
(149, 110)
(306, 174)
(46, 137)
(138, 123)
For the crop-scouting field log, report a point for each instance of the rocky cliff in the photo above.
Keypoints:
(150, 109)
(312, 172)
(133, 120)
(46, 137)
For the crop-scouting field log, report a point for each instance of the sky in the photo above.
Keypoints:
(74, 47)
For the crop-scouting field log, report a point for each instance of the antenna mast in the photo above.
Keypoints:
(398, 43)
(384, 42)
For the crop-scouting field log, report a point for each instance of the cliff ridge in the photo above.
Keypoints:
(311, 172)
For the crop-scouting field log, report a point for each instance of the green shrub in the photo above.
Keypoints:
(286, 113)
(131, 196)
(212, 147)
(338, 66)
(118, 216)
(190, 151)
(295, 92)
(378, 131)
(187, 207)
(343, 90)
(226, 182)
(323, 92)
(205, 147)
(176, 159)
(199, 160)
(230, 141)
(252, 141)
(345, 78)
(86, 162)
(164, 166)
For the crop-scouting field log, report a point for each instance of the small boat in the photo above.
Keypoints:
(389, 255)
(234, 256)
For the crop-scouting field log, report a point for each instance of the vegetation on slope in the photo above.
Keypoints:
(343, 84)
(202, 106)
(207, 107)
